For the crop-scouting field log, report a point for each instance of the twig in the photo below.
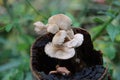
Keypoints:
(104, 26)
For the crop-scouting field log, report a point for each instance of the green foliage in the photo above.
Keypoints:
(98, 20)
(106, 38)
(116, 2)
(112, 31)
(8, 27)
(17, 31)
(75, 22)
(116, 72)
(1, 28)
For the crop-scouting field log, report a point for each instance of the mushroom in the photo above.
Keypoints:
(52, 28)
(59, 52)
(55, 23)
(61, 70)
(63, 21)
(40, 28)
(60, 48)
(59, 37)
(70, 34)
(57, 49)
(64, 40)
(76, 41)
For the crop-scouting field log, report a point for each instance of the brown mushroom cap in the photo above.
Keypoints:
(63, 21)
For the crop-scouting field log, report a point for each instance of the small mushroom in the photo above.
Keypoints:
(70, 34)
(61, 70)
(52, 28)
(63, 21)
(59, 52)
(40, 28)
(59, 37)
(76, 41)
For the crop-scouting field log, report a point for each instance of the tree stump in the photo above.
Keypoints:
(89, 68)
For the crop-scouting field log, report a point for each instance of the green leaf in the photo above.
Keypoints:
(94, 30)
(8, 27)
(116, 72)
(2, 40)
(112, 31)
(118, 38)
(75, 22)
(110, 52)
(28, 76)
(19, 75)
(22, 46)
(111, 14)
(117, 3)
(98, 20)
(2, 28)
(9, 65)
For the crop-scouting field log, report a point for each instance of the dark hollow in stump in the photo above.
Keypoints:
(89, 68)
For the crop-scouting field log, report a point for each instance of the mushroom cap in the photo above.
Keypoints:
(59, 52)
(40, 28)
(80, 38)
(63, 21)
(52, 28)
(70, 34)
(76, 41)
(59, 37)
(38, 24)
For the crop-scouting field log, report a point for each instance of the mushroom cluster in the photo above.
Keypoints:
(64, 41)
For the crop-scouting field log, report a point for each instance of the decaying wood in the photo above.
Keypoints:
(90, 65)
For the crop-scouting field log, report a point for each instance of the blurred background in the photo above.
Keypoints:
(100, 18)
